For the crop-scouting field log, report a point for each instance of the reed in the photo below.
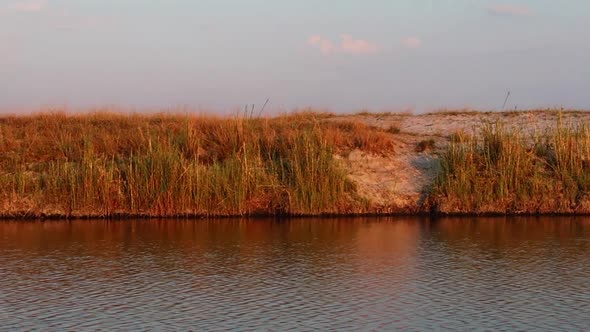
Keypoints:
(107, 164)
(508, 171)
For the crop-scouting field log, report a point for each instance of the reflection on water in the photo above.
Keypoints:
(312, 274)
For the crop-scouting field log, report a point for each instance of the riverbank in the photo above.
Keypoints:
(123, 165)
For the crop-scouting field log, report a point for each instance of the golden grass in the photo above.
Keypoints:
(112, 164)
(504, 171)
(106, 164)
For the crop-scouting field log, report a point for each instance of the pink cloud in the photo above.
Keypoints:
(350, 45)
(347, 45)
(510, 10)
(30, 6)
(411, 42)
(326, 47)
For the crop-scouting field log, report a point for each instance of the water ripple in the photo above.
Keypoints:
(302, 275)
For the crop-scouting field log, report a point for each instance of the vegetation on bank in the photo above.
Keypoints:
(508, 171)
(105, 164)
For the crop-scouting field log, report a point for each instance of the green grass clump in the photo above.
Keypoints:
(504, 171)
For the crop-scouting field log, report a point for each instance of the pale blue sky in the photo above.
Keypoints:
(339, 54)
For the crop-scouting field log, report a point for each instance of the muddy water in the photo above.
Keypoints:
(312, 274)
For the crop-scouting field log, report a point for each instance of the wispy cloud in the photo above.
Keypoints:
(411, 42)
(346, 45)
(356, 46)
(325, 46)
(509, 10)
(30, 6)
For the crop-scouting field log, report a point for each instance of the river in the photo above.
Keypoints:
(394, 273)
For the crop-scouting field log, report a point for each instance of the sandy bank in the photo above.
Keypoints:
(401, 181)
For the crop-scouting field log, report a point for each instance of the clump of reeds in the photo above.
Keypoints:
(504, 171)
(423, 145)
(106, 164)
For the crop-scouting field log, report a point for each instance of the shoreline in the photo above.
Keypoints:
(434, 216)
(123, 166)
(122, 217)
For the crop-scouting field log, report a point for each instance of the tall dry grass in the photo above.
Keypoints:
(506, 171)
(106, 164)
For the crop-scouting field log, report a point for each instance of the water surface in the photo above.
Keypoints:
(312, 274)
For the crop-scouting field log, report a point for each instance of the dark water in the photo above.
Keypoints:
(314, 274)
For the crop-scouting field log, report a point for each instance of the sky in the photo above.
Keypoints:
(341, 55)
